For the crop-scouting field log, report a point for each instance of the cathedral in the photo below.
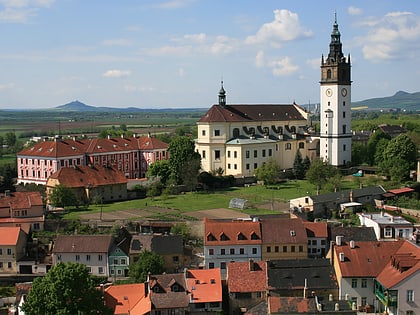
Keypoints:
(239, 138)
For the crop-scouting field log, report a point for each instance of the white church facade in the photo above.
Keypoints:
(239, 138)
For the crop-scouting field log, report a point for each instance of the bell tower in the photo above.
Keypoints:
(335, 131)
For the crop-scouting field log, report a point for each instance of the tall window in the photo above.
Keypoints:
(410, 295)
(217, 154)
(217, 133)
(364, 283)
(354, 283)
(388, 231)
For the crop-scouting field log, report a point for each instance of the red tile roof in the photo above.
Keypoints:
(9, 236)
(82, 243)
(281, 230)
(231, 232)
(250, 276)
(55, 149)
(316, 229)
(254, 112)
(366, 259)
(205, 285)
(93, 176)
(293, 305)
(404, 263)
(21, 200)
(151, 143)
(401, 190)
(125, 297)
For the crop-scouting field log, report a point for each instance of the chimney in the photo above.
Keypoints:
(251, 265)
(341, 257)
(352, 245)
(338, 239)
(351, 196)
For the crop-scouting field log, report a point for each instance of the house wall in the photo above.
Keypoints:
(10, 254)
(95, 261)
(285, 251)
(244, 300)
(347, 292)
(118, 263)
(412, 283)
(317, 246)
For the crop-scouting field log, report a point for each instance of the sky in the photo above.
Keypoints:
(175, 53)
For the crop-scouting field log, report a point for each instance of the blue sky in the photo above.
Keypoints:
(173, 54)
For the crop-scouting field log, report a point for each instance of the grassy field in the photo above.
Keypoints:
(260, 198)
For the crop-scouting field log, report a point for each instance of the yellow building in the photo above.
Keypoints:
(240, 138)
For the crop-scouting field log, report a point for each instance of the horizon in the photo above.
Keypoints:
(174, 54)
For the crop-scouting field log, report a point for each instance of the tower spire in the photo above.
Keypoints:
(222, 95)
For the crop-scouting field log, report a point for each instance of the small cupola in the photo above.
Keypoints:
(222, 95)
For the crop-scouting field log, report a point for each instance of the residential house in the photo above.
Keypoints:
(323, 205)
(168, 293)
(387, 226)
(128, 299)
(119, 261)
(397, 285)
(392, 130)
(302, 277)
(247, 284)
(204, 287)
(357, 265)
(317, 233)
(24, 209)
(170, 247)
(91, 250)
(239, 138)
(131, 155)
(12, 248)
(90, 183)
(283, 238)
(352, 233)
(231, 240)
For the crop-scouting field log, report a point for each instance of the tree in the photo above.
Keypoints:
(319, 173)
(62, 196)
(372, 145)
(268, 172)
(10, 139)
(148, 262)
(66, 289)
(298, 166)
(181, 154)
(358, 153)
(182, 229)
(161, 169)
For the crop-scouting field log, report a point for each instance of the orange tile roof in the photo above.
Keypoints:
(151, 143)
(367, 259)
(230, 230)
(205, 285)
(316, 229)
(249, 276)
(83, 176)
(9, 236)
(404, 263)
(283, 230)
(278, 305)
(21, 200)
(55, 149)
(122, 298)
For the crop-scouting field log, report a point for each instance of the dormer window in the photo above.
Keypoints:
(211, 238)
(241, 237)
(254, 236)
(292, 233)
(224, 237)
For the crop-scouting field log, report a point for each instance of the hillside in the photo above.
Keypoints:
(400, 100)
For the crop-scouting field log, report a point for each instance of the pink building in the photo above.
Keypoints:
(132, 155)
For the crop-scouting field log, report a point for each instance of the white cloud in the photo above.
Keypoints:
(116, 73)
(284, 27)
(117, 42)
(7, 86)
(314, 63)
(283, 66)
(133, 88)
(259, 59)
(354, 10)
(174, 4)
(196, 38)
(394, 36)
(19, 11)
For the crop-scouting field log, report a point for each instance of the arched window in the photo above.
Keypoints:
(301, 145)
(236, 132)
(329, 74)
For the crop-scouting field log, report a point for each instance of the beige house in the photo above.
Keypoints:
(240, 138)
(12, 248)
(91, 183)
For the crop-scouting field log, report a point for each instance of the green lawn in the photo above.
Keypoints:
(194, 201)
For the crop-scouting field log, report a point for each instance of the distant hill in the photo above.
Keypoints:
(400, 100)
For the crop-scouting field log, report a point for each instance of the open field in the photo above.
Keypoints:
(192, 205)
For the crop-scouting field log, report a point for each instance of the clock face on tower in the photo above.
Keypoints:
(328, 92)
(344, 91)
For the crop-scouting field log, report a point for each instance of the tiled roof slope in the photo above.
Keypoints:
(353, 233)
(254, 112)
(404, 263)
(56, 149)
(283, 231)
(168, 298)
(250, 276)
(230, 232)
(151, 143)
(205, 285)
(161, 244)
(291, 305)
(21, 200)
(82, 243)
(316, 229)
(93, 176)
(133, 297)
(366, 259)
(9, 236)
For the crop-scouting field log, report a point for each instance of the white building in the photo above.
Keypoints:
(387, 226)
